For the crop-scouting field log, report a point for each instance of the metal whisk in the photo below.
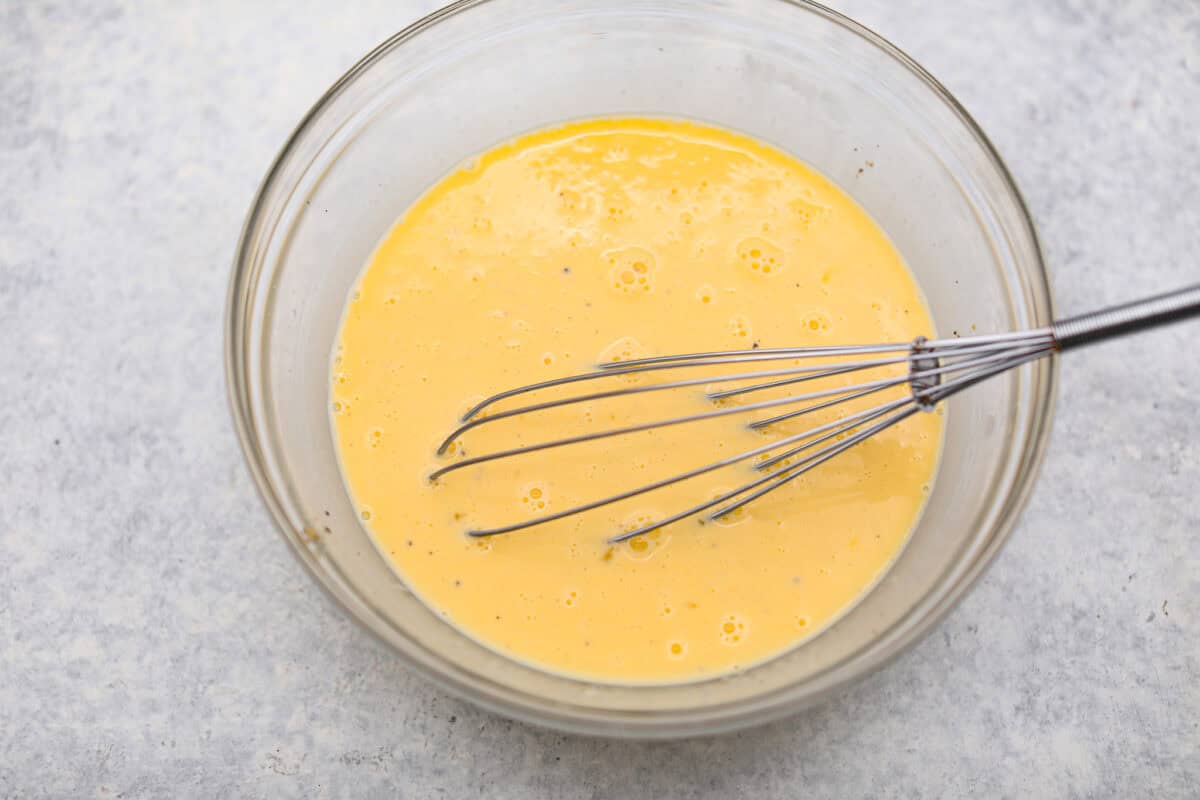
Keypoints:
(936, 370)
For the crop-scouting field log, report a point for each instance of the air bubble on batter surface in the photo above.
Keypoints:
(816, 321)
(735, 517)
(626, 348)
(760, 256)
(733, 630)
(615, 155)
(739, 327)
(615, 207)
(807, 211)
(642, 547)
(535, 498)
(375, 437)
(574, 203)
(631, 270)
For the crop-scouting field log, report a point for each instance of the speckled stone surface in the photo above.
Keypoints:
(158, 640)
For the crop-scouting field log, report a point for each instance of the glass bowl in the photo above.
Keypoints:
(793, 74)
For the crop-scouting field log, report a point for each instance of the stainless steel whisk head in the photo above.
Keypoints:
(936, 370)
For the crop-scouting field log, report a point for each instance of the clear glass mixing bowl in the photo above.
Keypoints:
(798, 75)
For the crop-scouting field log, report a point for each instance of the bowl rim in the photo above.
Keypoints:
(642, 725)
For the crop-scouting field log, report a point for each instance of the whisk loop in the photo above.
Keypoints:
(936, 370)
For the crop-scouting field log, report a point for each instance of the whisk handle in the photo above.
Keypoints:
(1139, 315)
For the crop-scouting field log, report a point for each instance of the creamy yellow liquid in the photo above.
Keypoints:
(615, 239)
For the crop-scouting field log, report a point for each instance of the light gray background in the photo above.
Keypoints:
(159, 640)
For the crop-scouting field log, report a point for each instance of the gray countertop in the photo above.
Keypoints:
(160, 641)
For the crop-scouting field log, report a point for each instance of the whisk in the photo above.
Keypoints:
(937, 369)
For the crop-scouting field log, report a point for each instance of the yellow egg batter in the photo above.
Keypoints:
(608, 240)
